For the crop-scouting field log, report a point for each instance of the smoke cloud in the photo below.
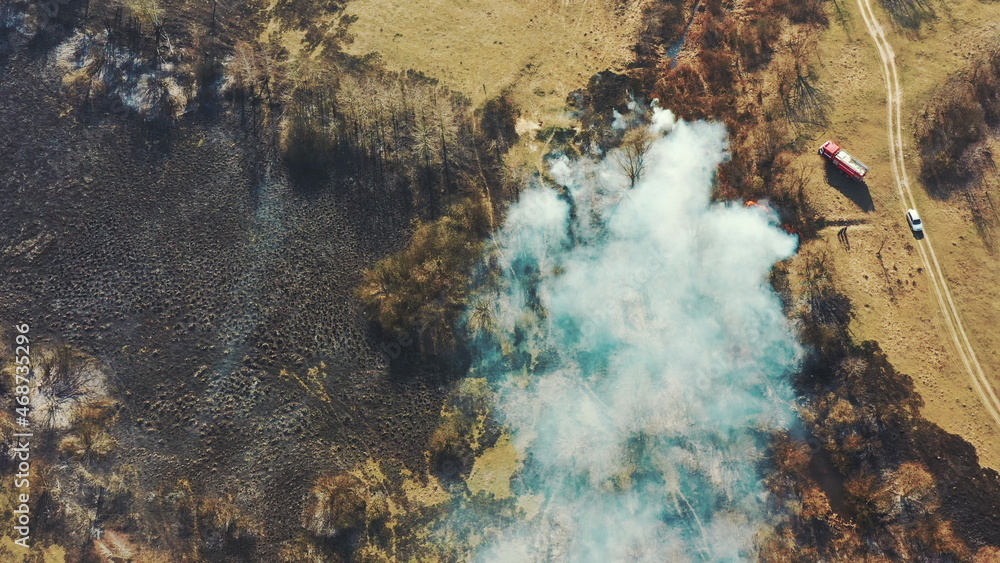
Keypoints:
(639, 355)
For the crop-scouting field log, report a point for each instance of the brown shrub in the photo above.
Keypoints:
(336, 506)
(425, 285)
(986, 83)
(754, 40)
(950, 130)
(801, 11)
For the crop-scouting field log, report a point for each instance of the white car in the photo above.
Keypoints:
(913, 218)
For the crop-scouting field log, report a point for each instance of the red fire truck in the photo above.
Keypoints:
(844, 162)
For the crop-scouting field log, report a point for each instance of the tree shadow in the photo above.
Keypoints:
(857, 192)
(909, 14)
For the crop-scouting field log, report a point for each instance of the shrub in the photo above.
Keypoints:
(66, 378)
(952, 128)
(909, 13)
(451, 455)
(336, 506)
(986, 82)
(497, 122)
(426, 284)
(754, 42)
(87, 437)
(801, 11)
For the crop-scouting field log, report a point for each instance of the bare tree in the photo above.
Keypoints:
(66, 378)
(631, 156)
(803, 100)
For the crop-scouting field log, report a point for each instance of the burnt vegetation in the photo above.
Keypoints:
(736, 48)
(222, 203)
(872, 478)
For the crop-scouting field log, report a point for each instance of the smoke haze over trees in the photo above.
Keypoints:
(640, 359)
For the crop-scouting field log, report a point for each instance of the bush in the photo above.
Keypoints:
(986, 82)
(425, 285)
(336, 506)
(498, 120)
(87, 438)
(686, 90)
(663, 23)
(891, 472)
(451, 455)
(955, 127)
(909, 13)
(66, 378)
(801, 11)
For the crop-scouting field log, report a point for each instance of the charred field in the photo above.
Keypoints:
(172, 257)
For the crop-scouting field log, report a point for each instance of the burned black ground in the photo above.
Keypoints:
(191, 270)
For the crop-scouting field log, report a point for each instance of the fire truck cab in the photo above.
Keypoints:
(845, 163)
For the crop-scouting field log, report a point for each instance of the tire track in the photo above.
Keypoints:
(942, 293)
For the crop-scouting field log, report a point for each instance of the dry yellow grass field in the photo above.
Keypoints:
(896, 305)
(539, 50)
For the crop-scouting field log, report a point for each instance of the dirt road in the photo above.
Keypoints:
(932, 268)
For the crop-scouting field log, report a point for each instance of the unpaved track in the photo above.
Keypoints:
(946, 304)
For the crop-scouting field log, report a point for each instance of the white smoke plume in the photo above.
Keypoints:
(640, 357)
